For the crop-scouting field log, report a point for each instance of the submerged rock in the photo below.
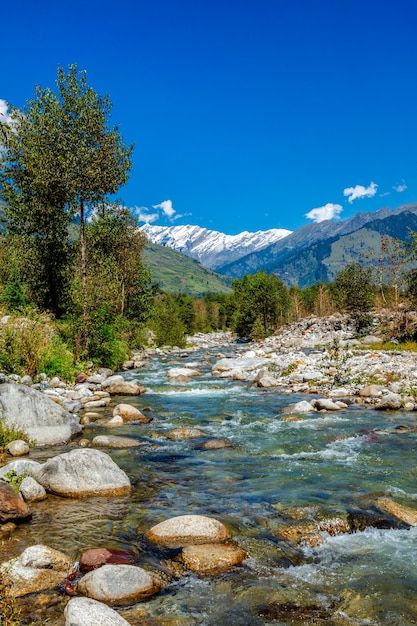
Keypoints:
(185, 530)
(312, 533)
(118, 584)
(43, 420)
(83, 472)
(217, 444)
(185, 432)
(88, 612)
(96, 557)
(212, 558)
(400, 511)
(12, 505)
(112, 441)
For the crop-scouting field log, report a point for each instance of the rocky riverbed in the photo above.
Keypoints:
(251, 483)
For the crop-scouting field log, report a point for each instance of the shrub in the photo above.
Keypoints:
(14, 480)
(9, 433)
(58, 360)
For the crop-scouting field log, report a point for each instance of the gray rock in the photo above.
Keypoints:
(112, 441)
(118, 584)
(325, 404)
(369, 340)
(301, 407)
(27, 380)
(20, 466)
(186, 530)
(44, 421)
(18, 447)
(389, 402)
(88, 612)
(31, 490)
(82, 472)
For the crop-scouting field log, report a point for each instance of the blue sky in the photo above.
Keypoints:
(244, 115)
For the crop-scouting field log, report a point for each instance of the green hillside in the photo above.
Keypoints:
(175, 272)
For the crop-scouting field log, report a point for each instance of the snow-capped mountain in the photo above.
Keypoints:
(210, 247)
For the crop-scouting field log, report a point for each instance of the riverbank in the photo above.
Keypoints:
(317, 507)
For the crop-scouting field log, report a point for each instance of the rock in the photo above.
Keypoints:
(360, 520)
(302, 407)
(370, 340)
(325, 404)
(185, 432)
(111, 441)
(96, 557)
(96, 379)
(212, 558)
(38, 568)
(130, 413)
(182, 373)
(118, 584)
(217, 444)
(44, 421)
(81, 378)
(18, 447)
(82, 472)
(31, 490)
(310, 533)
(266, 381)
(84, 443)
(125, 388)
(291, 418)
(115, 422)
(12, 505)
(389, 402)
(20, 467)
(88, 612)
(400, 511)
(184, 530)
(370, 391)
(27, 380)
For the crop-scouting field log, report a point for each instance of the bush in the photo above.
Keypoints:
(58, 360)
(9, 434)
(166, 322)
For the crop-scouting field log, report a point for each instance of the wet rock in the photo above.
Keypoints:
(400, 511)
(82, 472)
(96, 557)
(359, 520)
(44, 421)
(111, 441)
(130, 413)
(7, 529)
(114, 422)
(18, 447)
(126, 388)
(217, 444)
(31, 490)
(182, 373)
(38, 568)
(296, 512)
(185, 530)
(12, 505)
(389, 402)
(325, 404)
(311, 533)
(212, 558)
(291, 418)
(118, 584)
(185, 432)
(301, 407)
(88, 612)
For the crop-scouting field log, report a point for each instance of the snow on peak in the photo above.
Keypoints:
(210, 247)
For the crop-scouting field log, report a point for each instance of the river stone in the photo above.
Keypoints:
(400, 511)
(12, 505)
(301, 407)
(43, 420)
(31, 490)
(217, 444)
(212, 558)
(370, 391)
(88, 612)
(325, 404)
(114, 422)
(118, 584)
(96, 557)
(185, 530)
(20, 467)
(118, 386)
(185, 432)
(111, 441)
(130, 413)
(182, 373)
(44, 557)
(389, 402)
(18, 447)
(83, 472)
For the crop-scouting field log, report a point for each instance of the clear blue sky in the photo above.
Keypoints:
(245, 115)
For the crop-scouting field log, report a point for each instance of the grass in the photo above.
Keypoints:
(390, 346)
(174, 272)
(9, 434)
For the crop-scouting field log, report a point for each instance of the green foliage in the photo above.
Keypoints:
(58, 360)
(166, 322)
(9, 612)
(261, 302)
(14, 479)
(406, 346)
(353, 289)
(9, 434)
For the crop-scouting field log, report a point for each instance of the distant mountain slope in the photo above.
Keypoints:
(211, 247)
(317, 251)
(175, 272)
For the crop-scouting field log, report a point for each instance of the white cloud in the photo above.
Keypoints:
(359, 191)
(325, 212)
(143, 215)
(5, 117)
(166, 208)
(400, 187)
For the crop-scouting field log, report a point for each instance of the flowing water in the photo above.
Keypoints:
(333, 461)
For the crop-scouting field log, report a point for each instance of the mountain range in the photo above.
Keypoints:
(315, 252)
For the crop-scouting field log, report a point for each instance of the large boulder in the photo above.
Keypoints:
(12, 505)
(82, 472)
(118, 584)
(389, 402)
(37, 569)
(212, 558)
(182, 373)
(184, 530)
(42, 419)
(118, 386)
(88, 612)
